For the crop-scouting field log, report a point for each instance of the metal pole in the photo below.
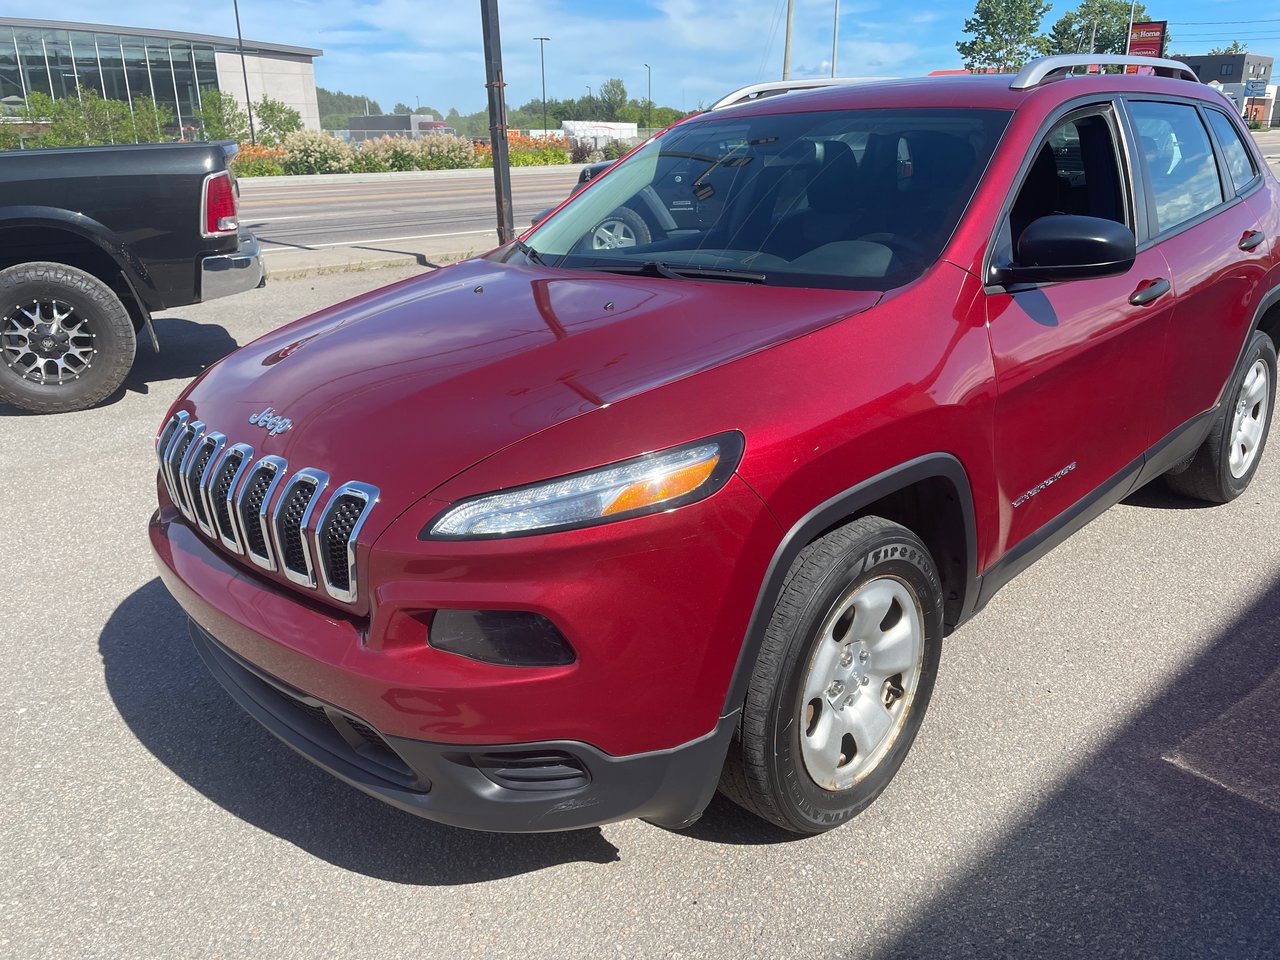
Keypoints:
(497, 118)
(542, 44)
(786, 48)
(1129, 37)
(244, 71)
(648, 110)
(835, 36)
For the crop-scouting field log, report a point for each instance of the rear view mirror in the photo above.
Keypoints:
(1066, 247)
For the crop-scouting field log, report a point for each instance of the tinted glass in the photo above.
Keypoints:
(856, 198)
(1239, 163)
(1075, 171)
(1180, 163)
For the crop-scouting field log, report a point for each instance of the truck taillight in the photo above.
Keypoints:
(220, 215)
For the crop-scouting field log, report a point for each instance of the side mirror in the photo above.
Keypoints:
(1064, 247)
(539, 217)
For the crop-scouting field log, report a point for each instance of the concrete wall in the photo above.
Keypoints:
(291, 80)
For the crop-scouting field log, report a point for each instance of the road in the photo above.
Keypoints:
(1097, 776)
(378, 218)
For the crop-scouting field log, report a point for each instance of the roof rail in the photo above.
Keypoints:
(1038, 71)
(773, 88)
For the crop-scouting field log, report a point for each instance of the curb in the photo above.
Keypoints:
(362, 266)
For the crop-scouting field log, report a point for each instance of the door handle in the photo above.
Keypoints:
(1251, 239)
(1150, 290)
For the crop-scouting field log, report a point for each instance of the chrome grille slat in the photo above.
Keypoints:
(180, 462)
(289, 522)
(163, 444)
(252, 506)
(219, 490)
(336, 535)
(193, 478)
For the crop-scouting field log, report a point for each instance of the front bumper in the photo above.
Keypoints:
(227, 274)
(513, 788)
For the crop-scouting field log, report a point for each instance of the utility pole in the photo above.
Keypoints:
(1093, 37)
(542, 45)
(835, 36)
(497, 118)
(1128, 39)
(786, 47)
(248, 101)
(649, 103)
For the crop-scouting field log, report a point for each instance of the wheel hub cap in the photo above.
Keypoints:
(860, 682)
(45, 341)
(1248, 425)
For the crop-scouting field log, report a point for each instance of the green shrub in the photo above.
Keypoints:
(392, 153)
(313, 151)
(615, 149)
(445, 152)
(368, 161)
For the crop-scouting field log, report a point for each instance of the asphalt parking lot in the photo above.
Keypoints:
(1098, 776)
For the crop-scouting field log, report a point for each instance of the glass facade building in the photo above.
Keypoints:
(122, 63)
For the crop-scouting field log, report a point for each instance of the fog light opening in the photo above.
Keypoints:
(512, 638)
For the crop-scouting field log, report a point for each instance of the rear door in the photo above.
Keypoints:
(1198, 173)
(1076, 362)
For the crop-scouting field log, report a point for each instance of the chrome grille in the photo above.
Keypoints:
(232, 498)
(336, 537)
(289, 524)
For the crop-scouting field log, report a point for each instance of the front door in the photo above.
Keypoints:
(1076, 362)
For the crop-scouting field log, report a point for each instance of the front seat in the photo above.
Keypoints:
(831, 202)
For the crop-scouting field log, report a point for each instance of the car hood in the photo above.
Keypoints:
(408, 386)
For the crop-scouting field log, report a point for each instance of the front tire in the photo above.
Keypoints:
(843, 679)
(1225, 463)
(66, 340)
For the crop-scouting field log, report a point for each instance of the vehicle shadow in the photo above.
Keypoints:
(1156, 496)
(187, 349)
(1166, 843)
(178, 712)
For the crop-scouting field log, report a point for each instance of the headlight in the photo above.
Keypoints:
(656, 481)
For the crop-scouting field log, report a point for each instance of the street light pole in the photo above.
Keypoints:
(835, 35)
(542, 42)
(248, 102)
(648, 122)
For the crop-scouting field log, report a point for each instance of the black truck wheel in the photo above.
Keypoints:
(66, 340)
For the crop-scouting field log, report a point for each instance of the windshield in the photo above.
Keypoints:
(861, 199)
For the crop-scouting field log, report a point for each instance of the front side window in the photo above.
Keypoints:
(1180, 165)
(1239, 161)
(1075, 171)
(860, 199)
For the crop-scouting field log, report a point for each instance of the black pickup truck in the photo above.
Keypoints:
(92, 241)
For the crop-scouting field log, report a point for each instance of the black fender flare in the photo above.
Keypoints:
(830, 513)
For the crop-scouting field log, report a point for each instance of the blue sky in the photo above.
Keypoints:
(698, 49)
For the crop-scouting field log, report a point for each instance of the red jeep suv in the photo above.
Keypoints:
(564, 535)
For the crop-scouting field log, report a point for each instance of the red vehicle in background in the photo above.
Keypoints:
(564, 535)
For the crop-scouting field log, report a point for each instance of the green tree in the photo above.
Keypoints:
(1237, 46)
(400, 109)
(1096, 26)
(1006, 34)
(610, 98)
(275, 121)
(221, 117)
(88, 119)
(334, 121)
(347, 104)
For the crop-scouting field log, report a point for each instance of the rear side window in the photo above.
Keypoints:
(1180, 164)
(1239, 162)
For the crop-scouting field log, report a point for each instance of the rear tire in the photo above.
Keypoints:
(66, 340)
(843, 679)
(1225, 463)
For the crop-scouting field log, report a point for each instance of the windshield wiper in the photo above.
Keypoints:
(678, 271)
(530, 254)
